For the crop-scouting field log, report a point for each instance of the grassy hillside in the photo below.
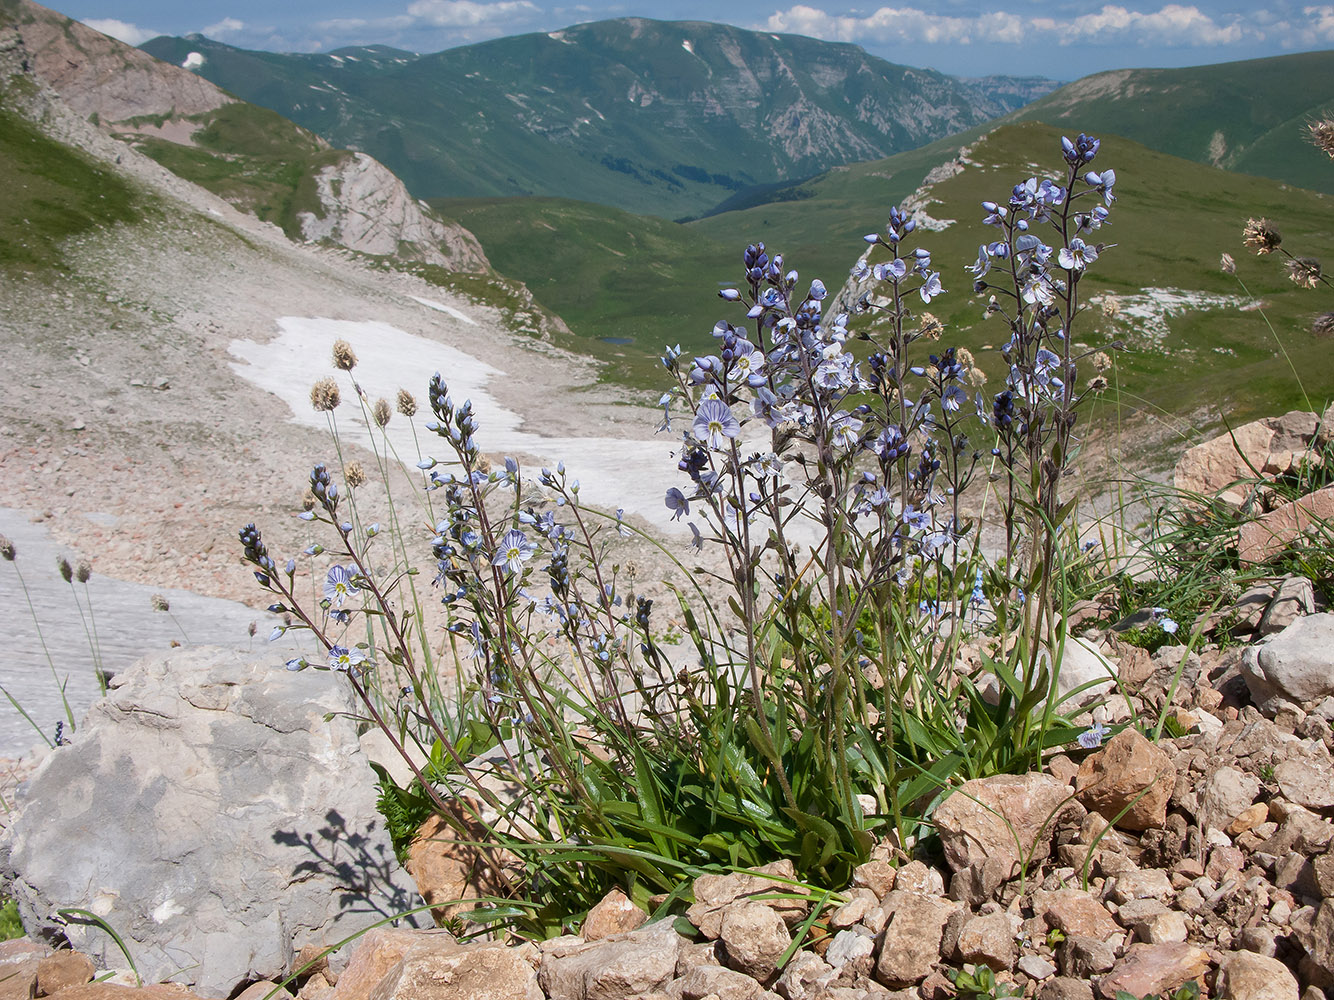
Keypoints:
(658, 117)
(52, 194)
(250, 156)
(613, 275)
(1243, 116)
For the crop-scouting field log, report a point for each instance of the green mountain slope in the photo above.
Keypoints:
(1191, 357)
(663, 118)
(1243, 116)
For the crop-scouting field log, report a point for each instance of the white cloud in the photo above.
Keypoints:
(468, 13)
(1172, 25)
(130, 34)
(227, 26)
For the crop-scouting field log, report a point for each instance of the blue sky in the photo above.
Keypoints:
(1023, 37)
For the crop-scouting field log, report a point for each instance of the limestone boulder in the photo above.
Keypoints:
(217, 812)
(628, 965)
(1269, 446)
(1270, 534)
(1007, 817)
(1295, 666)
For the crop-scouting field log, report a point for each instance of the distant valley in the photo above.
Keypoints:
(656, 117)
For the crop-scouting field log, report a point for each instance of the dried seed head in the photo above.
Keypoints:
(1260, 235)
(976, 377)
(7, 550)
(930, 327)
(382, 412)
(324, 395)
(1227, 264)
(965, 357)
(1111, 306)
(406, 404)
(1323, 325)
(83, 571)
(1101, 361)
(65, 569)
(342, 355)
(308, 501)
(1321, 134)
(1304, 272)
(1097, 383)
(355, 475)
(253, 628)
(160, 603)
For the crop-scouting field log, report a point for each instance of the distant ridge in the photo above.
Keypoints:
(659, 117)
(1247, 116)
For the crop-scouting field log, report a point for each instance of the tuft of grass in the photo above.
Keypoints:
(10, 925)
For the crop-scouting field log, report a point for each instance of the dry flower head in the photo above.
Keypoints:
(1261, 236)
(324, 395)
(1226, 264)
(930, 327)
(1304, 272)
(355, 475)
(1111, 306)
(382, 412)
(343, 356)
(1321, 133)
(407, 404)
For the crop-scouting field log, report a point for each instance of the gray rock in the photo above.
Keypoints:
(851, 953)
(805, 976)
(1294, 598)
(1066, 988)
(714, 980)
(1227, 791)
(639, 962)
(209, 813)
(1036, 967)
(1296, 666)
(754, 938)
(1307, 780)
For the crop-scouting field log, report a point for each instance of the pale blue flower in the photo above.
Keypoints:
(677, 503)
(1077, 256)
(514, 551)
(339, 584)
(343, 658)
(714, 423)
(1091, 738)
(931, 287)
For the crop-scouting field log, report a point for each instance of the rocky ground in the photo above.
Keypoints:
(1136, 867)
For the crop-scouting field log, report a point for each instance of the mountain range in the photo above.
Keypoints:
(658, 117)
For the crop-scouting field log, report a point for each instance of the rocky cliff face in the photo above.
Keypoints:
(94, 74)
(363, 206)
(367, 209)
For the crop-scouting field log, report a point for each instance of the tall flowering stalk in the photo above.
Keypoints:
(826, 455)
(1035, 287)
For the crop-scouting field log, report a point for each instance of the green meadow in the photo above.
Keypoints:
(628, 285)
